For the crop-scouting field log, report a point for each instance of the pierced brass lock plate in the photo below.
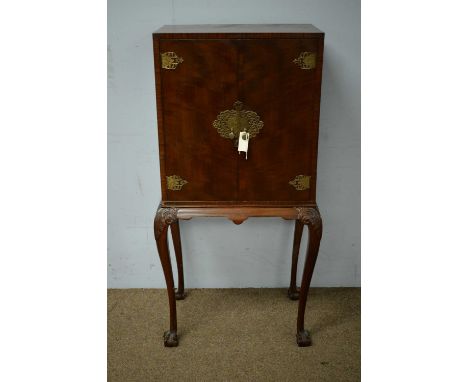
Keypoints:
(230, 123)
(306, 60)
(170, 60)
(301, 182)
(175, 182)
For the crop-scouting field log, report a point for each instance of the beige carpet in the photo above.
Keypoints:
(233, 335)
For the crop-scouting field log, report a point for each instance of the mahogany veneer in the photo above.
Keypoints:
(214, 83)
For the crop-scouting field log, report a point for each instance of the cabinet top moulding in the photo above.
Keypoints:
(240, 31)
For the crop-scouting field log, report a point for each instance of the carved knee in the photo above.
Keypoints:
(310, 217)
(164, 218)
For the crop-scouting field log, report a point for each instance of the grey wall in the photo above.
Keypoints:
(218, 253)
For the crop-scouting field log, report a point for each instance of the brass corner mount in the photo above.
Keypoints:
(175, 182)
(306, 60)
(301, 182)
(170, 60)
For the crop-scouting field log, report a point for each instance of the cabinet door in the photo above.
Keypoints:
(286, 97)
(202, 83)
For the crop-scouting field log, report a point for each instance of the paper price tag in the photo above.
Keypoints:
(243, 142)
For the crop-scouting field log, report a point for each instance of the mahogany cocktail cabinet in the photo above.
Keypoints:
(238, 116)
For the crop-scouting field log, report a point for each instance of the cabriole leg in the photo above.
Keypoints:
(311, 218)
(164, 218)
(175, 231)
(293, 292)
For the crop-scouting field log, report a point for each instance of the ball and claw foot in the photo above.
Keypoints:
(170, 339)
(293, 294)
(180, 295)
(303, 338)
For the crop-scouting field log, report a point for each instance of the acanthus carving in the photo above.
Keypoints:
(309, 216)
(164, 217)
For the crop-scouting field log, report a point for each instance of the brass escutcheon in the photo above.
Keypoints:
(230, 123)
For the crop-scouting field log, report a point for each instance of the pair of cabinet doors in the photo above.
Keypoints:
(265, 82)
